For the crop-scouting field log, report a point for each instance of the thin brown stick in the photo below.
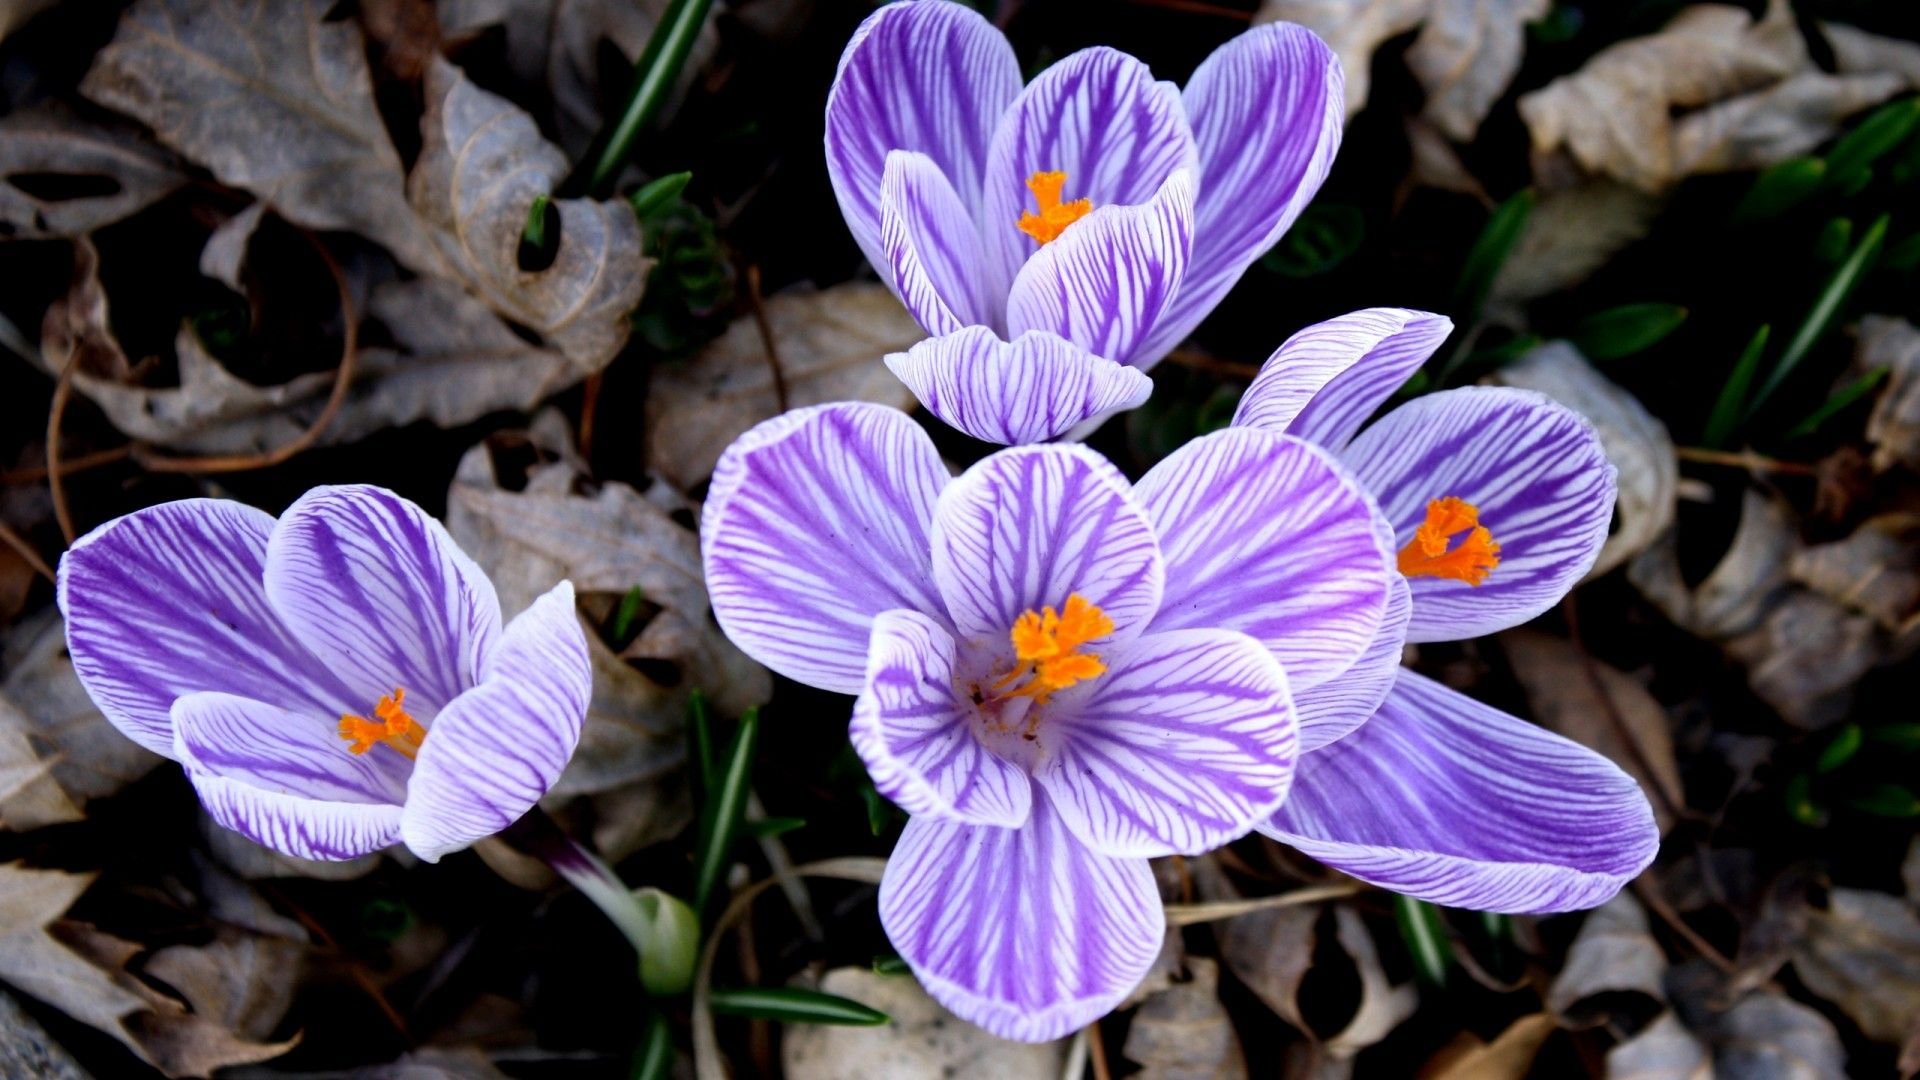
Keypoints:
(1198, 7)
(589, 408)
(1743, 460)
(766, 336)
(56, 410)
(342, 380)
(355, 971)
(26, 551)
(34, 474)
(1654, 902)
(1213, 365)
(1097, 1053)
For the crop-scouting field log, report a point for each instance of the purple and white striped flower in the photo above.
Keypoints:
(1499, 500)
(1059, 675)
(334, 682)
(1057, 239)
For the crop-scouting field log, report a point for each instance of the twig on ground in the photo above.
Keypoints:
(766, 336)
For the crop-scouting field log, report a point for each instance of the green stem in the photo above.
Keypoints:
(538, 835)
(653, 77)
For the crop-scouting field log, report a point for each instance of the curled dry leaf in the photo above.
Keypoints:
(1753, 131)
(1874, 571)
(609, 539)
(1806, 658)
(1353, 28)
(1748, 582)
(1614, 953)
(1862, 953)
(1855, 50)
(1508, 1057)
(1894, 426)
(53, 144)
(830, 344)
(273, 100)
(56, 751)
(1637, 444)
(1466, 54)
(1572, 232)
(1184, 1033)
(1663, 1050)
(1768, 1036)
(482, 164)
(920, 1041)
(1600, 707)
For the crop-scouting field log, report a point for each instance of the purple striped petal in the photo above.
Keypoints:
(818, 521)
(1097, 116)
(1026, 932)
(499, 747)
(1108, 279)
(939, 269)
(1027, 527)
(1457, 803)
(929, 77)
(1268, 535)
(916, 736)
(168, 601)
(382, 595)
(1336, 708)
(1035, 388)
(1533, 468)
(1266, 110)
(1185, 744)
(285, 779)
(1326, 380)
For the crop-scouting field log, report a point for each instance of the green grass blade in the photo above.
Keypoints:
(653, 1058)
(1489, 253)
(1732, 403)
(653, 77)
(1781, 188)
(794, 1005)
(1625, 330)
(1825, 309)
(720, 813)
(1834, 405)
(1883, 130)
(1426, 937)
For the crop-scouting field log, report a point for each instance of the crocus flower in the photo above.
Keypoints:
(333, 682)
(1058, 239)
(1499, 501)
(1059, 675)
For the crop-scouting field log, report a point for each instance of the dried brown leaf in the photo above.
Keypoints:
(1856, 51)
(1354, 29)
(1572, 232)
(920, 1041)
(1807, 657)
(1184, 1032)
(1748, 582)
(1753, 131)
(55, 145)
(482, 164)
(1508, 1057)
(1862, 953)
(1768, 1036)
(1875, 570)
(1466, 55)
(830, 346)
(1614, 953)
(273, 100)
(1663, 1050)
(1894, 426)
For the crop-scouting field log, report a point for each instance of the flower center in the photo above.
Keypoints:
(1426, 555)
(1054, 215)
(1046, 648)
(392, 725)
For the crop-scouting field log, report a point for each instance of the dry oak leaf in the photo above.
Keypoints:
(1862, 953)
(1875, 571)
(830, 344)
(1184, 1033)
(51, 143)
(1508, 1057)
(1743, 588)
(1663, 1050)
(482, 164)
(273, 100)
(1756, 130)
(921, 1040)
(1894, 425)
(1808, 656)
(1572, 232)
(1614, 953)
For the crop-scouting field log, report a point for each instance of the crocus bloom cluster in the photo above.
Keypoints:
(1059, 674)
(1499, 500)
(1057, 239)
(334, 682)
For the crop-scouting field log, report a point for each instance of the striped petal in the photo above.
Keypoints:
(916, 736)
(932, 78)
(1266, 111)
(168, 601)
(497, 749)
(1026, 932)
(818, 521)
(932, 247)
(1097, 116)
(1184, 745)
(382, 595)
(1533, 468)
(1035, 388)
(1268, 535)
(1108, 279)
(1336, 708)
(1026, 528)
(284, 779)
(1326, 380)
(1446, 799)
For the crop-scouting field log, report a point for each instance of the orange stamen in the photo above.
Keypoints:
(394, 726)
(1426, 555)
(1048, 644)
(1054, 215)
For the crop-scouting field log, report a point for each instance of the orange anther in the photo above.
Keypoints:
(1048, 643)
(1054, 215)
(1426, 555)
(395, 727)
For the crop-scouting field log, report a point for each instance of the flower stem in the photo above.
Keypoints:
(537, 835)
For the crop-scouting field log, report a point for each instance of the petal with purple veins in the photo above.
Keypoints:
(1269, 535)
(1534, 469)
(932, 247)
(818, 521)
(916, 736)
(378, 591)
(1336, 708)
(497, 749)
(168, 601)
(1454, 802)
(1098, 116)
(1326, 380)
(1028, 527)
(1184, 745)
(1026, 932)
(1035, 388)
(932, 78)
(1266, 111)
(1107, 280)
